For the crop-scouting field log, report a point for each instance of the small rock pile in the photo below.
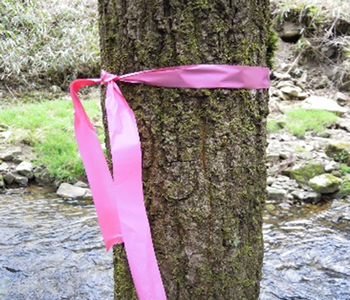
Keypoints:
(307, 169)
(15, 171)
(289, 92)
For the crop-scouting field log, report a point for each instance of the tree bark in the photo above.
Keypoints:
(203, 150)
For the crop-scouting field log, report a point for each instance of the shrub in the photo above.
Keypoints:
(47, 43)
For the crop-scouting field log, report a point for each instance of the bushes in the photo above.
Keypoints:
(47, 43)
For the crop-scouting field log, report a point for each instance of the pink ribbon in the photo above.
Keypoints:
(119, 199)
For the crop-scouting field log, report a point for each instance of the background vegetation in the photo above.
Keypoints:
(300, 121)
(44, 45)
(50, 43)
(47, 127)
(47, 43)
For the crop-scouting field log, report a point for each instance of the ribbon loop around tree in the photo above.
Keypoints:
(119, 199)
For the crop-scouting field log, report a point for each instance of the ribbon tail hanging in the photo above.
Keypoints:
(127, 173)
(97, 171)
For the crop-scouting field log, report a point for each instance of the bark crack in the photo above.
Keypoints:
(210, 197)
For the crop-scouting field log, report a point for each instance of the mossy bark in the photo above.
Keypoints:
(203, 150)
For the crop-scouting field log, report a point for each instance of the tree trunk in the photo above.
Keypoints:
(203, 150)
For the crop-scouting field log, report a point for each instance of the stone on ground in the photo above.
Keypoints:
(325, 184)
(67, 190)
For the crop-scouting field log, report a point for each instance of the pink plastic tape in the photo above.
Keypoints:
(119, 199)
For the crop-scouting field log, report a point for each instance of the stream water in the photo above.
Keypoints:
(51, 249)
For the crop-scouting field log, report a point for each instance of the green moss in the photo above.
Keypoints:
(304, 173)
(339, 151)
(301, 121)
(207, 236)
(272, 40)
(344, 188)
(325, 184)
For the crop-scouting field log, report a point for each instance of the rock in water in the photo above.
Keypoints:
(325, 184)
(67, 190)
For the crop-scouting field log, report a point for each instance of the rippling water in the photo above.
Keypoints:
(307, 252)
(51, 249)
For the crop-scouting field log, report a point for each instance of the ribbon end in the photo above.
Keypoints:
(116, 240)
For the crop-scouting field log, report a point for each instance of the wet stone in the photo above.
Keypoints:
(270, 180)
(344, 124)
(2, 183)
(25, 169)
(88, 195)
(323, 103)
(341, 99)
(272, 157)
(4, 167)
(21, 180)
(81, 184)
(275, 193)
(67, 190)
(3, 127)
(9, 178)
(281, 76)
(42, 176)
(331, 166)
(324, 134)
(311, 197)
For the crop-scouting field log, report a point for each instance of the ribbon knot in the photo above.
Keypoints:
(107, 77)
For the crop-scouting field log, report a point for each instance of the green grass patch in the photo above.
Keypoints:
(48, 128)
(273, 126)
(300, 121)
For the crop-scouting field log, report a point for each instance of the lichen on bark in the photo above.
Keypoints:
(203, 150)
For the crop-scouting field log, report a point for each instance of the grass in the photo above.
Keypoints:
(300, 121)
(317, 8)
(47, 43)
(48, 128)
(273, 126)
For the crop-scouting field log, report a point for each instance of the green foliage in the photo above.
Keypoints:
(342, 156)
(345, 188)
(345, 168)
(47, 43)
(273, 125)
(300, 121)
(48, 127)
